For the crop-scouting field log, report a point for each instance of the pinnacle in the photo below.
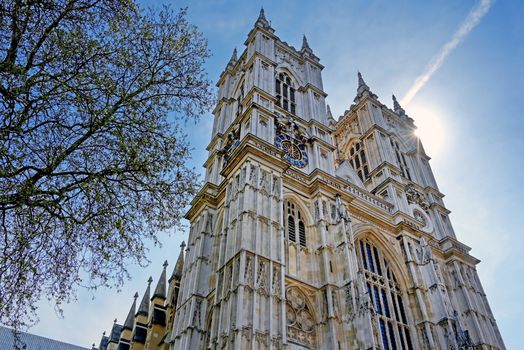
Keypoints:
(361, 81)
(397, 108)
(363, 89)
(179, 266)
(261, 20)
(305, 44)
(131, 315)
(144, 304)
(261, 15)
(160, 290)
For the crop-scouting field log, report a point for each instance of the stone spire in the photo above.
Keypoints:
(261, 20)
(305, 46)
(160, 290)
(397, 108)
(330, 118)
(232, 60)
(130, 319)
(143, 309)
(179, 266)
(363, 89)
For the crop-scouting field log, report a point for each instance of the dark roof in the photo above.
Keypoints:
(115, 333)
(33, 342)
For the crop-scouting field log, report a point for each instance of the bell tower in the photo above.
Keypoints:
(312, 233)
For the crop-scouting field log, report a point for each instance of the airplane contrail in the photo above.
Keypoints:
(473, 18)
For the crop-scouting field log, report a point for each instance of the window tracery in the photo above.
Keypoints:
(358, 159)
(285, 93)
(295, 221)
(300, 321)
(401, 159)
(386, 296)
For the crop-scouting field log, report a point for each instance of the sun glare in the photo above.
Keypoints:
(430, 129)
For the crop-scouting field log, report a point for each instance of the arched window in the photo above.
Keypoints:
(386, 296)
(285, 92)
(401, 159)
(293, 220)
(357, 158)
(300, 320)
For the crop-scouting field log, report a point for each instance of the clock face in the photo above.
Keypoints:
(294, 151)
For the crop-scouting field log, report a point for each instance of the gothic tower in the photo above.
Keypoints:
(312, 233)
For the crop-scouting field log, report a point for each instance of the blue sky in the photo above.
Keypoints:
(469, 113)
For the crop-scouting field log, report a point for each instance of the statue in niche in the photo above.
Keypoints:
(424, 254)
(262, 276)
(286, 125)
(248, 273)
(196, 313)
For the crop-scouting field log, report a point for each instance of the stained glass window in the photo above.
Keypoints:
(386, 296)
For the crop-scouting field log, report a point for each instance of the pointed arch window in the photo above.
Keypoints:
(357, 158)
(285, 92)
(300, 320)
(386, 296)
(401, 159)
(294, 220)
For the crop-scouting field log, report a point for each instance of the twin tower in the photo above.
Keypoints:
(313, 233)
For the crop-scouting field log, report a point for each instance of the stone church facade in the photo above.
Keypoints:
(313, 233)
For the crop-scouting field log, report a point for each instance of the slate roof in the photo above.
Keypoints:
(33, 342)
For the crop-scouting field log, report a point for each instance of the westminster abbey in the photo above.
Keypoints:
(312, 232)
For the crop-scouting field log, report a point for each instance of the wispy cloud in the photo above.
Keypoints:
(473, 18)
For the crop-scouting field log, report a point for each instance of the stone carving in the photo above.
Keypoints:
(438, 273)
(261, 338)
(419, 217)
(253, 177)
(462, 335)
(324, 209)
(227, 279)
(209, 223)
(264, 181)
(262, 277)
(286, 125)
(333, 213)
(317, 211)
(276, 282)
(300, 321)
(220, 281)
(424, 253)
(415, 197)
(236, 272)
(456, 279)
(246, 333)
(349, 301)
(243, 175)
(231, 142)
(276, 343)
(223, 340)
(248, 273)
(334, 300)
(276, 186)
(196, 313)
(325, 304)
